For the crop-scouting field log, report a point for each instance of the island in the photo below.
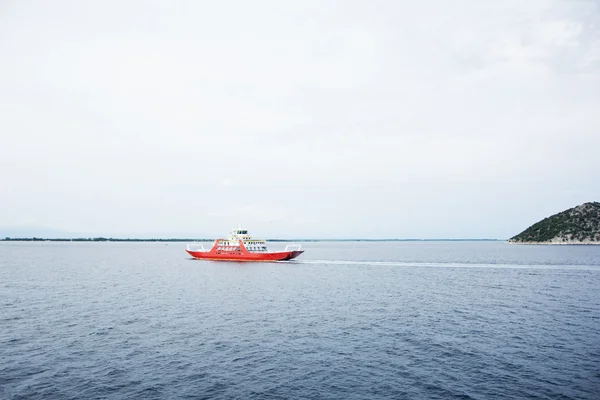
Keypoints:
(577, 225)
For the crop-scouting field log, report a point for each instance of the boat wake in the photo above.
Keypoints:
(418, 264)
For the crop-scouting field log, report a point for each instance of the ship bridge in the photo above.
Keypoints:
(253, 245)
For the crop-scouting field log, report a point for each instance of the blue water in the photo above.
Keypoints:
(408, 320)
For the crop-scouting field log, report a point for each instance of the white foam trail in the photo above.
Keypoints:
(445, 265)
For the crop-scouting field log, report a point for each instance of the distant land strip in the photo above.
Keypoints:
(103, 239)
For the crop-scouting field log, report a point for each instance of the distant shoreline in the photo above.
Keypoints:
(179, 240)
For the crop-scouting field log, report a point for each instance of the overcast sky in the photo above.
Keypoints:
(331, 119)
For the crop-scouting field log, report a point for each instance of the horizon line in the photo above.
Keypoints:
(111, 239)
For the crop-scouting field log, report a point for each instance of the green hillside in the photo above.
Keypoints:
(576, 225)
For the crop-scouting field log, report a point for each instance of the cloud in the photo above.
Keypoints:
(117, 117)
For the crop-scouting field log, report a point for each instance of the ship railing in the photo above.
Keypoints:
(197, 247)
(293, 247)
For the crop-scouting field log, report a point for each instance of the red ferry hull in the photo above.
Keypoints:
(246, 256)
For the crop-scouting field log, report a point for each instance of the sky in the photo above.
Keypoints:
(306, 119)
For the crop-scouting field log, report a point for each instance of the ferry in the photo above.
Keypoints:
(240, 246)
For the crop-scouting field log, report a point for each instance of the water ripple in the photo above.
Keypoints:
(447, 321)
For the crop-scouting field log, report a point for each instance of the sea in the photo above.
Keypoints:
(345, 320)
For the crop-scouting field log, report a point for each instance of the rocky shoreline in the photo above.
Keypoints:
(560, 242)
